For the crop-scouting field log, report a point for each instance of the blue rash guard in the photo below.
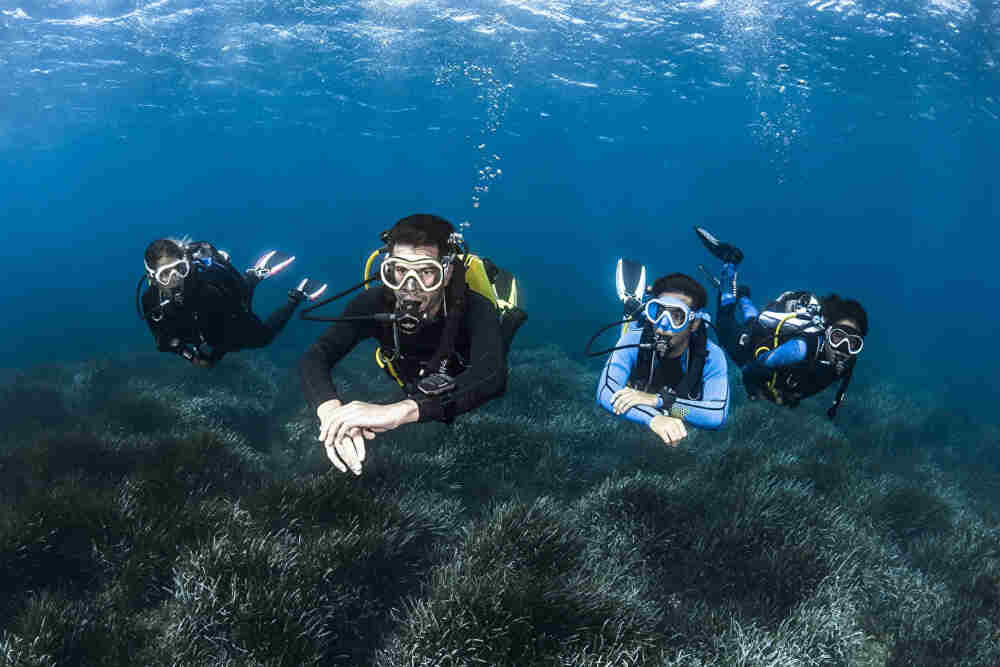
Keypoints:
(708, 413)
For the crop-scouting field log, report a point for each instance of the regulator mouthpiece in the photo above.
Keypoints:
(408, 317)
(663, 345)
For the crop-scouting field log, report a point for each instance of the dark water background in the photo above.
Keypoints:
(868, 167)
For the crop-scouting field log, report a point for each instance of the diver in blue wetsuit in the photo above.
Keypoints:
(664, 372)
(797, 346)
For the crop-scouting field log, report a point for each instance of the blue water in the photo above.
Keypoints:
(845, 146)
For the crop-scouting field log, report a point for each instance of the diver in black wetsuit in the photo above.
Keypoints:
(198, 305)
(443, 328)
(794, 348)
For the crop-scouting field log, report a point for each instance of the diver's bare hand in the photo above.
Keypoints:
(670, 429)
(348, 451)
(325, 412)
(371, 417)
(625, 399)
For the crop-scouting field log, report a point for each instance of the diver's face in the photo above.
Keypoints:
(679, 339)
(839, 357)
(410, 291)
(170, 272)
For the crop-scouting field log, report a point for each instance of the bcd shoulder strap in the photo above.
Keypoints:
(690, 385)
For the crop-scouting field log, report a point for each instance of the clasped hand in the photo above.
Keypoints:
(344, 428)
(625, 399)
(670, 429)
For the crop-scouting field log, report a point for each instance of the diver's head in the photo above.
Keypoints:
(418, 267)
(847, 326)
(675, 312)
(168, 265)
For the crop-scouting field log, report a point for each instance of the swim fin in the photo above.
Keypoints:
(727, 252)
(265, 267)
(307, 289)
(630, 280)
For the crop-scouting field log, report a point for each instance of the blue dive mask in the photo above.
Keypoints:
(671, 314)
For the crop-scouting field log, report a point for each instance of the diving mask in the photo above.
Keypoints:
(844, 341)
(671, 314)
(165, 274)
(427, 273)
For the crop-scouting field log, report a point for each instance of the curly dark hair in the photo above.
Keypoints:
(161, 248)
(683, 284)
(836, 308)
(422, 229)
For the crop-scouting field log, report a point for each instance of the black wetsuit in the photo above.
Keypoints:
(216, 310)
(788, 372)
(478, 363)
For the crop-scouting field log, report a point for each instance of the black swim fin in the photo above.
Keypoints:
(630, 281)
(726, 252)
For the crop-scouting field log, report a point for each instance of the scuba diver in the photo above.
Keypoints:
(663, 372)
(198, 305)
(797, 346)
(444, 320)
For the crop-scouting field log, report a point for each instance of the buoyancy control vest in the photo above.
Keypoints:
(479, 275)
(794, 314)
(648, 374)
(213, 266)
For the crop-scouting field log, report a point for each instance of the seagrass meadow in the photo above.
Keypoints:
(151, 514)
